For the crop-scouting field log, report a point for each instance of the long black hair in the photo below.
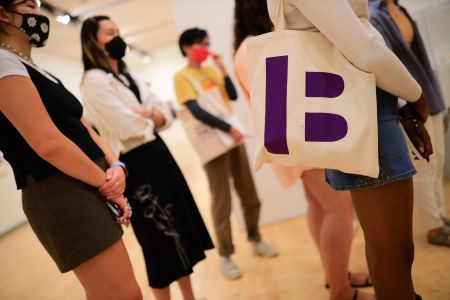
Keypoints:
(251, 17)
(93, 56)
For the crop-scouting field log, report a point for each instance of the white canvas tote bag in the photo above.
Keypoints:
(209, 143)
(311, 106)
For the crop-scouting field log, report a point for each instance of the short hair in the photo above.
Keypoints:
(191, 36)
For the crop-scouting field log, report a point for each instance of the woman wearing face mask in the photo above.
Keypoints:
(330, 212)
(166, 221)
(59, 163)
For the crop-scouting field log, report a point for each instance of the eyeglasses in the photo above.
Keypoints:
(206, 45)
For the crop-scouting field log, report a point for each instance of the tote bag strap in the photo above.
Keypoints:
(194, 83)
(280, 21)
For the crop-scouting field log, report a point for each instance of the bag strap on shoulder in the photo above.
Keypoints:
(280, 21)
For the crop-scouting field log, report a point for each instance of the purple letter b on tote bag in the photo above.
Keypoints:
(319, 127)
(324, 127)
(275, 130)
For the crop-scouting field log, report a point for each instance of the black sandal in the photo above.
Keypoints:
(355, 295)
(364, 285)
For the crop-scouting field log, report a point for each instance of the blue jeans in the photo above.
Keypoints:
(394, 160)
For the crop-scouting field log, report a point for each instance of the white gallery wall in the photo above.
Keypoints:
(159, 72)
(10, 198)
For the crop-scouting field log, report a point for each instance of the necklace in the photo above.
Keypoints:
(14, 50)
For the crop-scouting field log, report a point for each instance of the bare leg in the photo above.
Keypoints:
(330, 218)
(162, 294)
(385, 214)
(314, 217)
(114, 268)
(186, 288)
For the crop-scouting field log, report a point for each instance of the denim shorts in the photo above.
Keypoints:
(393, 154)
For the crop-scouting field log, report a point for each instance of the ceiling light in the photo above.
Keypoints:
(147, 59)
(64, 19)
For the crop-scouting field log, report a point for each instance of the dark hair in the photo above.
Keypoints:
(251, 17)
(6, 4)
(93, 56)
(191, 36)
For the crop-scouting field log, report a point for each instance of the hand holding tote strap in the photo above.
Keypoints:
(280, 21)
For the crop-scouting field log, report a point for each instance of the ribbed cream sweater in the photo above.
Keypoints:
(345, 23)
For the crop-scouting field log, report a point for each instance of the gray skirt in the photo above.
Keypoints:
(70, 218)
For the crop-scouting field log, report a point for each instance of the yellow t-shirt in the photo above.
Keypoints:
(208, 77)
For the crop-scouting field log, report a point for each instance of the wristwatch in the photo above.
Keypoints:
(122, 165)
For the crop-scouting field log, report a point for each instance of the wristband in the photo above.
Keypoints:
(122, 165)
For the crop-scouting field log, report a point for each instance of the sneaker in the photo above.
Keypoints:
(229, 269)
(441, 237)
(263, 249)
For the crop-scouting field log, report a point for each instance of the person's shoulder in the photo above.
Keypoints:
(5, 54)
(96, 73)
(181, 74)
(210, 68)
(10, 64)
(242, 50)
(96, 76)
(211, 71)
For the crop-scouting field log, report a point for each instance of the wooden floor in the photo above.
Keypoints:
(27, 272)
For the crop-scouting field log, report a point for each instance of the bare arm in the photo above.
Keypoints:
(115, 176)
(338, 22)
(22, 105)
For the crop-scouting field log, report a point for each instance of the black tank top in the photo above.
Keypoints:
(65, 111)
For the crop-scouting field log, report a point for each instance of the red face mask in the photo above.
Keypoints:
(200, 54)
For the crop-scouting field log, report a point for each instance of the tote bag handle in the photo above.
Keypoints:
(280, 21)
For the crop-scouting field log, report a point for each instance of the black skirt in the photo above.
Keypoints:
(165, 219)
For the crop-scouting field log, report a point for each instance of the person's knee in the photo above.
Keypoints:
(134, 293)
(129, 291)
(344, 210)
(125, 291)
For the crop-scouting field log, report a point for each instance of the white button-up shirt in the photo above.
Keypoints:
(109, 106)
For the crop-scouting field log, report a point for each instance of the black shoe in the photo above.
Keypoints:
(418, 297)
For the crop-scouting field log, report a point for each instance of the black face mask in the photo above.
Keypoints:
(37, 27)
(116, 48)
